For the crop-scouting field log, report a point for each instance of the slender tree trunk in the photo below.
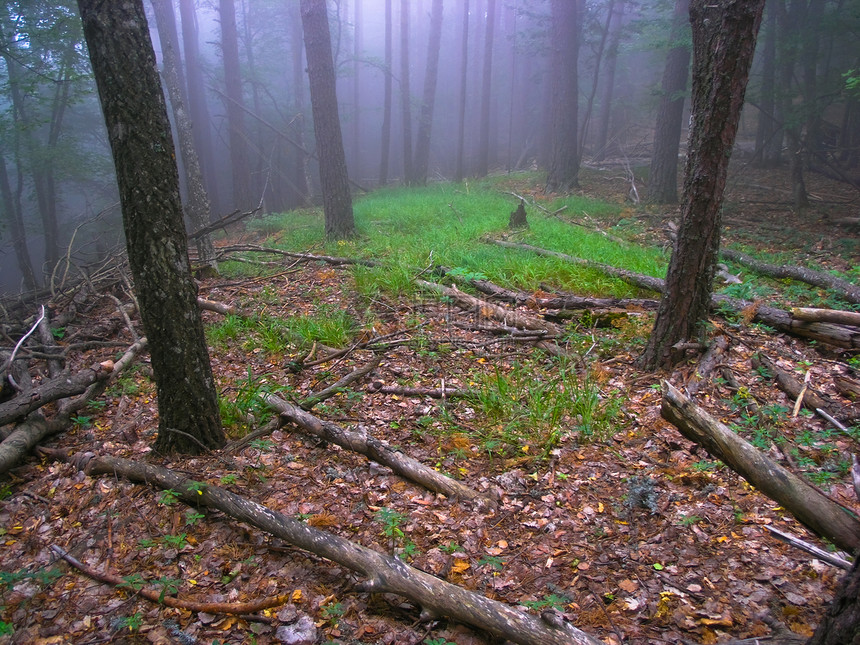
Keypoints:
(425, 119)
(768, 140)
(605, 117)
(724, 35)
(595, 81)
(563, 172)
(16, 227)
(405, 92)
(259, 148)
(356, 86)
(139, 131)
(464, 87)
(234, 104)
(301, 182)
(483, 163)
(197, 106)
(337, 201)
(387, 98)
(663, 177)
(198, 208)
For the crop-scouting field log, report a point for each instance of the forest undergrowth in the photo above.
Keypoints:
(607, 514)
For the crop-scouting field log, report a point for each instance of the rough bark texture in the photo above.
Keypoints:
(563, 171)
(130, 92)
(425, 118)
(808, 505)
(841, 623)
(663, 176)
(386, 105)
(240, 168)
(724, 34)
(768, 138)
(483, 163)
(385, 574)
(15, 223)
(334, 180)
(405, 92)
(198, 209)
(460, 171)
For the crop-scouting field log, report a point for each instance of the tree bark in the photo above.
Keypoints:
(768, 139)
(425, 118)
(663, 176)
(385, 574)
(334, 180)
(808, 505)
(605, 117)
(483, 163)
(405, 92)
(130, 93)
(385, 152)
(199, 210)
(16, 228)
(724, 34)
(841, 623)
(563, 171)
(460, 169)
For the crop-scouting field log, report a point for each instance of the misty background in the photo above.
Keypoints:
(59, 210)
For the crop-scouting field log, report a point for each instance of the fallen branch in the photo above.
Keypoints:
(340, 385)
(847, 290)
(837, 316)
(811, 549)
(795, 389)
(375, 450)
(310, 257)
(217, 307)
(385, 574)
(433, 393)
(708, 363)
(169, 601)
(814, 510)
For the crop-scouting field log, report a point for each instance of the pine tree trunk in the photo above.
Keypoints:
(724, 34)
(139, 131)
(425, 119)
(337, 200)
(460, 171)
(405, 92)
(387, 98)
(483, 164)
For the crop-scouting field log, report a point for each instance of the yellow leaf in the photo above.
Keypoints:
(192, 581)
(460, 566)
(599, 507)
(296, 596)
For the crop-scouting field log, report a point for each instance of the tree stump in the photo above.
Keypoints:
(518, 217)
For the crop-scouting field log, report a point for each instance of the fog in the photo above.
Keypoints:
(61, 164)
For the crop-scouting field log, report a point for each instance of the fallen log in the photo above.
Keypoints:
(838, 316)
(432, 392)
(375, 450)
(815, 511)
(846, 289)
(385, 574)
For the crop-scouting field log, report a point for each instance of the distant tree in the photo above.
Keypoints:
(724, 35)
(405, 92)
(123, 60)
(483, 163)
(768, 139)
(615, 28)
(357, 55)
(387, 98)
(563, 171)
(300, 180)
(334, 181)
(425, 118)
(464, 86)
(198, 108)
(663, 176)
(234, 104)
(198, 207)
(12, 218)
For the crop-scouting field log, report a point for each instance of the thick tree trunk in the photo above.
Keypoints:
(425, 118)
(199, 210)
(724, 35)
(301, 181)
(405, 92)
(822, 516)
(130, 92)
(841, 623)
(385, 574)
(563, 171)
(337, 200)
(601, 146)
(663, 176)
(387, 97)
(16, 228)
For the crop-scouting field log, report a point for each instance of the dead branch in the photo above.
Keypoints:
(340, 384)
(837, 316)
(375, 450)
(811, 549)
(709, 362)
(309, 257)
(795, 389)
(385, 574)
(809, 506)
(169, 601)
(217, 307)
(847, 290)
(433, 393)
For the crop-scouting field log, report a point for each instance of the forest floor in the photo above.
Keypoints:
(636, 536)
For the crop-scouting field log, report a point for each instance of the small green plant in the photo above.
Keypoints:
(333, 612)
(168, 497)
(551, 601)
(437, 641)
(176, 541)
(131, 623)
(228, 480)
(82, 421)
(168, 586)
(6, 629)
(147, 543)
(391, 522)
(192, 517)
(451, 547)
(493, 561)
(690, 520)
(706, 466)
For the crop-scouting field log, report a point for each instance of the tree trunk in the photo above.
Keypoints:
(337, 200)
(139, 131)
(405, 92)
(768, 141)
(234, 103)
(387, 97)
(663, 177)
(724, 34)
(841, 623)
(301, 182)
(605, 116)
(460, 171)
(16, 228)
(425, 119)
(199, 210)
(563, 171)
(483, 164)
(197, 105)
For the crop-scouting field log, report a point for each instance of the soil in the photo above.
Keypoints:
(636, 535)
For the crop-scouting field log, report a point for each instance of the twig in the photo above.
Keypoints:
(829, 558)
(11, 358)
(169, 601)
(339, 385)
